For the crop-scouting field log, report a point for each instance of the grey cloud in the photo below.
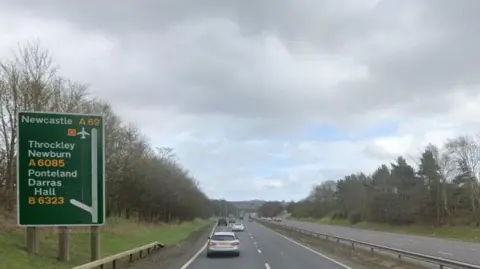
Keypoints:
(325, 21)
(203, 76)
(376, 152)
(207, 58)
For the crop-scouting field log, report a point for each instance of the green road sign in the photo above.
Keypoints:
(60, 169)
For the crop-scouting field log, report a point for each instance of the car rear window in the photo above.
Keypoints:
(223, 237)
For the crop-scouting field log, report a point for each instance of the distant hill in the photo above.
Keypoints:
(248, 206)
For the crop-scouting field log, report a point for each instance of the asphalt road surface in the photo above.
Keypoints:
(465, 252)
(261, 248)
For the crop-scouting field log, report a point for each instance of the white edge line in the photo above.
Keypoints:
(267, 266)
(309, 249)
(185, 266)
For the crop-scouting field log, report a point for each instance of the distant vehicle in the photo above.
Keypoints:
(223, 243)
(232, 220)
(222, 222)
(238, 227)
(241, 217)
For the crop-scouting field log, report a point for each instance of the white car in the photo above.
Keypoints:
(238, 227)
(223, 243)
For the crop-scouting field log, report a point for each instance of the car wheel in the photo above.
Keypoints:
(237, 254)
(209, 255)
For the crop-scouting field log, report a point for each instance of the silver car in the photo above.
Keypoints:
(238, 227)
(223, 243)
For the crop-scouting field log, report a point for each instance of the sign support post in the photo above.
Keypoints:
(32, 240)
(60, 176)
(94, 243)
(63, 244)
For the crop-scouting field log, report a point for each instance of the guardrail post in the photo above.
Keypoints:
(131, 258)
(114, 264)
(353, 245)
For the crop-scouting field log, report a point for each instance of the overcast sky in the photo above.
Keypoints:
(263, 99)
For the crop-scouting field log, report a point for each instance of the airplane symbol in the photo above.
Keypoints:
(83, 133)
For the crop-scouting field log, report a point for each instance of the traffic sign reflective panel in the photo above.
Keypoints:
(60, 177)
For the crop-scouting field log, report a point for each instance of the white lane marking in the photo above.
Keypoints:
(259, 251)
(445, 253)
(267, 266)
(309, 249)
(185, 266)
(473, 249)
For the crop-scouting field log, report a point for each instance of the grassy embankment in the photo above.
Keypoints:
(117, 236)
(461, 233)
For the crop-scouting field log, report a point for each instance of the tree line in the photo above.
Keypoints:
(223, 208)
(142, 181)
(271, 209)
(441, 187)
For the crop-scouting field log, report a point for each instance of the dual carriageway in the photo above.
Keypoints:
(262, 248)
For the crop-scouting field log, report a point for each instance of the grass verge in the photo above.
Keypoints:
(117, 236)
(460, 233)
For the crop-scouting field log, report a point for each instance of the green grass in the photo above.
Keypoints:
(461, 233)
(117, 236)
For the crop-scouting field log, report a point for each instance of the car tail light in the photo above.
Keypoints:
(235, 243)
(211, 243)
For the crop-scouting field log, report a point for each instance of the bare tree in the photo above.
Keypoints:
(465, 151)
(141, 182)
